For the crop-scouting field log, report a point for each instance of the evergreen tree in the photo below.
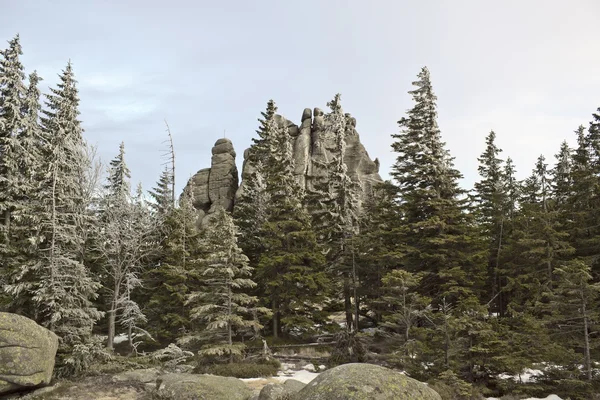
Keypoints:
(222, 305)
(65, 288)
(176, 273)
(24, 236)
(12, 123)
(122, 245)
(162, 194)
(290, 267)
(491, 210)
(333, 202)
(436, 229)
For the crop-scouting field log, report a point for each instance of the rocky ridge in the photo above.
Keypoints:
(218, 185)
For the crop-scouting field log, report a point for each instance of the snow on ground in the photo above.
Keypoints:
(551, 397)
(524, 377)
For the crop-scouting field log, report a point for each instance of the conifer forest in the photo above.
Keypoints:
(466, 288)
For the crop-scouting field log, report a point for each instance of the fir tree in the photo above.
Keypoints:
(12, 123)
(290, 268)
(24, 236)
(222, 306)
(122, 245)
(65, 288)
(436, 229)
(491, 212)
(176, 274)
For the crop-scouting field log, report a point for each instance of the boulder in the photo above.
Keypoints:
(293, 385)
(273, 391)
(27, 353)
(203, 387)
(148, 375)
(365, 382)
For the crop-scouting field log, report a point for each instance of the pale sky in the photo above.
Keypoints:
(527, 69)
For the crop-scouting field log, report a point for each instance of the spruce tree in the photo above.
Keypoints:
(334, 204)
(122, 245)
(290, 268)
(12, 123)
(436, 229)
(25, 219)
(491, 209)
(222, 305)
(176, 273)
(65, 288)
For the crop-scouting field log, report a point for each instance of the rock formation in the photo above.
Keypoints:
(217, 185)
(27, 353)
(311, 148)
(365, 382)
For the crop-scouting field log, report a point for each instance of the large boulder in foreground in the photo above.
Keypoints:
(27, 353)
(273, 391)
(365, 382)
(203, 387)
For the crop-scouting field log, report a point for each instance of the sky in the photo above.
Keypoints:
(527, 69)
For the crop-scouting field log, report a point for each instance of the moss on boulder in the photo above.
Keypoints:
(27, 353)
(365, 382)
(203, 387)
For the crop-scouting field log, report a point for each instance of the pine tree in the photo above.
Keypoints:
(491, 212)
(12, 123)
(122, 245)
(162, 194)
(437, 230)
(65, 288)
(575, 308)
(176, 273)
(222, 305)
(290, 267)
(333, 202)
(25, 220)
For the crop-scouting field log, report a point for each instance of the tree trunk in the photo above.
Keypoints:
(348, 305)
(111, 329)
(354, 288)
(275, 318)
(586, 335)
(229, 335)
(112, 316)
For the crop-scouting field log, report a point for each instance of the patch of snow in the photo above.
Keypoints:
(120, 338)
(524, 377)
(550, 397)
(302, 376)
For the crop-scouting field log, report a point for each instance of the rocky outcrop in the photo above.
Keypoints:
(27, 353)
(202, 387)
(365, 382)
(215, 186)
(218, 185)
(312, 148)
(274, 391)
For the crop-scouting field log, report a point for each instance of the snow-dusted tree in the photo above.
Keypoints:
(12, 121)
(290, 268)
(162, 194)
(490, 200)
(334, 205)
(251, 207)
(222, 305)
(175, 273)
(25, 220)
(123, 245)
(65, 289)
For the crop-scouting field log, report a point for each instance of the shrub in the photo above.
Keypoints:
(349, 348)
(240, 369)
(450, 387)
